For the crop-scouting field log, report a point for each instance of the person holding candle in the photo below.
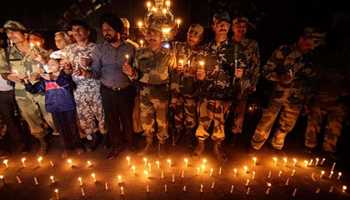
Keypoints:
(216, 88)
(87, 93)
(59, 100)
(292, 72)
(183, 84)
(152, 66)
(62, 40)
(16, 63)
(246, 78)
(116, 89)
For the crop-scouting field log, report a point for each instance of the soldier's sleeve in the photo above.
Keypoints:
(255, 61)
(4, 65)
(269, 70)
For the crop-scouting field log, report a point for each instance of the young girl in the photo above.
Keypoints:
(59, 101)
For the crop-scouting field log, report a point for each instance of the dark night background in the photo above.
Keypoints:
(277, 22)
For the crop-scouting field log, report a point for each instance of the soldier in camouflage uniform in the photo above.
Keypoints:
(247, 77)
(151, 71)
(16, 63)
(292, 72)
(328, 105)
(183, 81)
(216, 88)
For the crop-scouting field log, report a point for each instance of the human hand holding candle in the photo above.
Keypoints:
(201, 70)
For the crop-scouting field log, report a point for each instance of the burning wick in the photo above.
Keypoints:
(344, 188)
(36, 182)
(339, 176)
(178, 22)
(128, 160)
(331, 175)
(5, 162)
(93, 175)
(23, 160)
(211, 172)
(52, 178)
(141, 43)
(245, 169)
(57, 194)
(267, 192)
(127, 57)
(140, 24)
(322, 174)
(40, 160)
(80, 181)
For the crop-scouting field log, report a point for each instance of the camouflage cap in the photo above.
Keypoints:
(14, 25)
(223, 16)
(196, 29)
(240, 20)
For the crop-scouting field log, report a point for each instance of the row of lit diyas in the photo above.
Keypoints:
(248, 173)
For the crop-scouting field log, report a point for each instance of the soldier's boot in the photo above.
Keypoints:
(148, 148)
(199, 149)
(43, 146)
(218, 152)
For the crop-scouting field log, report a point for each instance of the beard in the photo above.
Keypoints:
(109, 38)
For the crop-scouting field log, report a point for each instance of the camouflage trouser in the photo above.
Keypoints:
(334, 115)
(185, 115)
(288, 117)
(136, 116)
(154, 111)
(238, 116)
(212, 111)
(32, 109)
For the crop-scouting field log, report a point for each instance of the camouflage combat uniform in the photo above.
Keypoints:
(327, 105)
(216, 90)
(251, 60)
(31, 106)
(183, 86)
(287, 98)
(153, 78)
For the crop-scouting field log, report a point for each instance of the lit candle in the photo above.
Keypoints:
(57, 194)
(169, 162)
(201, 188)
(122, 190)
(280, 173)
(18, 179)
(287, 182)
(201, 64)
(317, 190)
(127, 57)
(331, 175)
(322, 161)
(133, 169)
(80, 181)
(40, 159)
(245, 169)
(141, 43)
(267, 192)
(235, 172)
(248, 191)
(36, 182)
(147, 188)
(158, 164)
(52, 178)
(6, 163)
(167, 4)
(51, 163)
(93, 175)
(173, 178)
(333, 166)
(285, 160)
(306, 163)
(293, 173)
(178, 22)
(294, 162)
(146, 173)
(220, 171)
(204, 161)
(89, 164)
(120, 179)
(145, 161)
(269, 174)
(182, 173)
(322, 174)
(2, 178)
(162, 174)
(186, 162)
(23, 160)
(339, 176)
(212, 185)
(232, 188)
(70, 162)
(139, 24)
(31, 45)
(184, 188)
(164, 11)
(344, 188)
(148, 5)
(106, 186)
(253, 175)
(294, 192)
(275, 160)
(127, 157)
(82, 191)
(165, 188)
(211, 172)
(203, 168)
(331, 189)
(247, 182)
(38, 44)
(316, 162)
(254, 161)
(311, 161)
